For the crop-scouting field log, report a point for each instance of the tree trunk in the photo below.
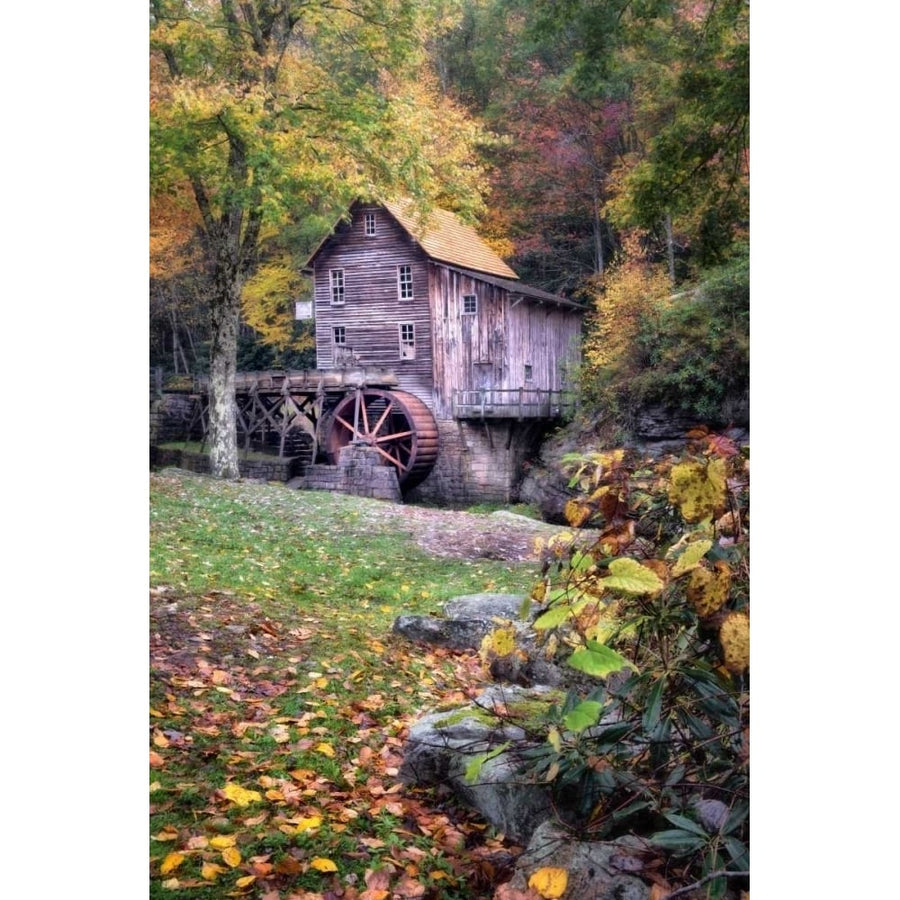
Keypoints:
(225, 308)
(598, 237)
(670, 247)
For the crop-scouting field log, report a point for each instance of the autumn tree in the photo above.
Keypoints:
(683, 68)
(277, 113)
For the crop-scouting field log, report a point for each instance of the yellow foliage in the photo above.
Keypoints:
(232, 856)
(308, 824)
(320, 864)
(171, 863)
(549, 882)
(576, 513)
(210, 871)
(708, 591)
(267, 301)
(240, 796)
(621, 298)
(698, 488)
(222, 841)
(503, 641)
(734, 636)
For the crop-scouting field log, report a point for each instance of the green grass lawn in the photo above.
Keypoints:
(280, 699)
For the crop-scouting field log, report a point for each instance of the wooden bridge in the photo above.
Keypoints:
(516, 403)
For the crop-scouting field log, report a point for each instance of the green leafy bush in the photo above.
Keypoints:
(657, 617)
(689, 354)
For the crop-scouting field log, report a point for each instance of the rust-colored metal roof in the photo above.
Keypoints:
(446, 239)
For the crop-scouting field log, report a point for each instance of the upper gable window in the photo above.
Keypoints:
(337, 287)
(470, 304)
(404, 278)
(370, 224)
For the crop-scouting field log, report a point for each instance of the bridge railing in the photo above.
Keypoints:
(512, 403)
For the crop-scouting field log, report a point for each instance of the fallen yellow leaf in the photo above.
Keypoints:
(320, 864)
(210, 871)
(549, 882)
(245, 881)
(232, 856)
(308, 824)
(325, 750)
(171, 863)
(240, 796)
(221, 841)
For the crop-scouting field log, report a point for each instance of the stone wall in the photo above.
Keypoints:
(359, 471)
(274, 469)
(170, 416)
(479, 462)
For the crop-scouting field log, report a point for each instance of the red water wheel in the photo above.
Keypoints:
(398, 425)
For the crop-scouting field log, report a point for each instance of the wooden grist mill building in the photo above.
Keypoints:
(434, 364)
(483, 364)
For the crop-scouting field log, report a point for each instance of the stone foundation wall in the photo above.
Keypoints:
(276, 469)
(359, 471)
(170, 416)
(479, 462)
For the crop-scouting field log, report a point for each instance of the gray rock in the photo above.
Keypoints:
(596, 870)
(441, 745)
(468, 619)
(485, 607)
(455, 634)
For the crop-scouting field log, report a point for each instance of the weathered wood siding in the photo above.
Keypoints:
(372, 309)
(491, 348)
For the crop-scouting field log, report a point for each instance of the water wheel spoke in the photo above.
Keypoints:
(347, 425)
(384, 415)
(361, 400)
(394, 460)
(389, 421)
(393, 437)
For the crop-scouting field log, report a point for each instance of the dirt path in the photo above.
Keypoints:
(461, 535)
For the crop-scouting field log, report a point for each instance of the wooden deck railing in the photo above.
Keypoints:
(514, 403)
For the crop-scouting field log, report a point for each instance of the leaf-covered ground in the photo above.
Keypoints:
(280, 699)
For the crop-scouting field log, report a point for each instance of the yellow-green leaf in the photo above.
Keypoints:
(598, 660)
(325, 750)
(553, 617)
(698, 489)
(554, 738)
(321, 864)
(240, 796)
(583, 716)
(501, 641)
(549, 882)
(691, 557)
(630, 576)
